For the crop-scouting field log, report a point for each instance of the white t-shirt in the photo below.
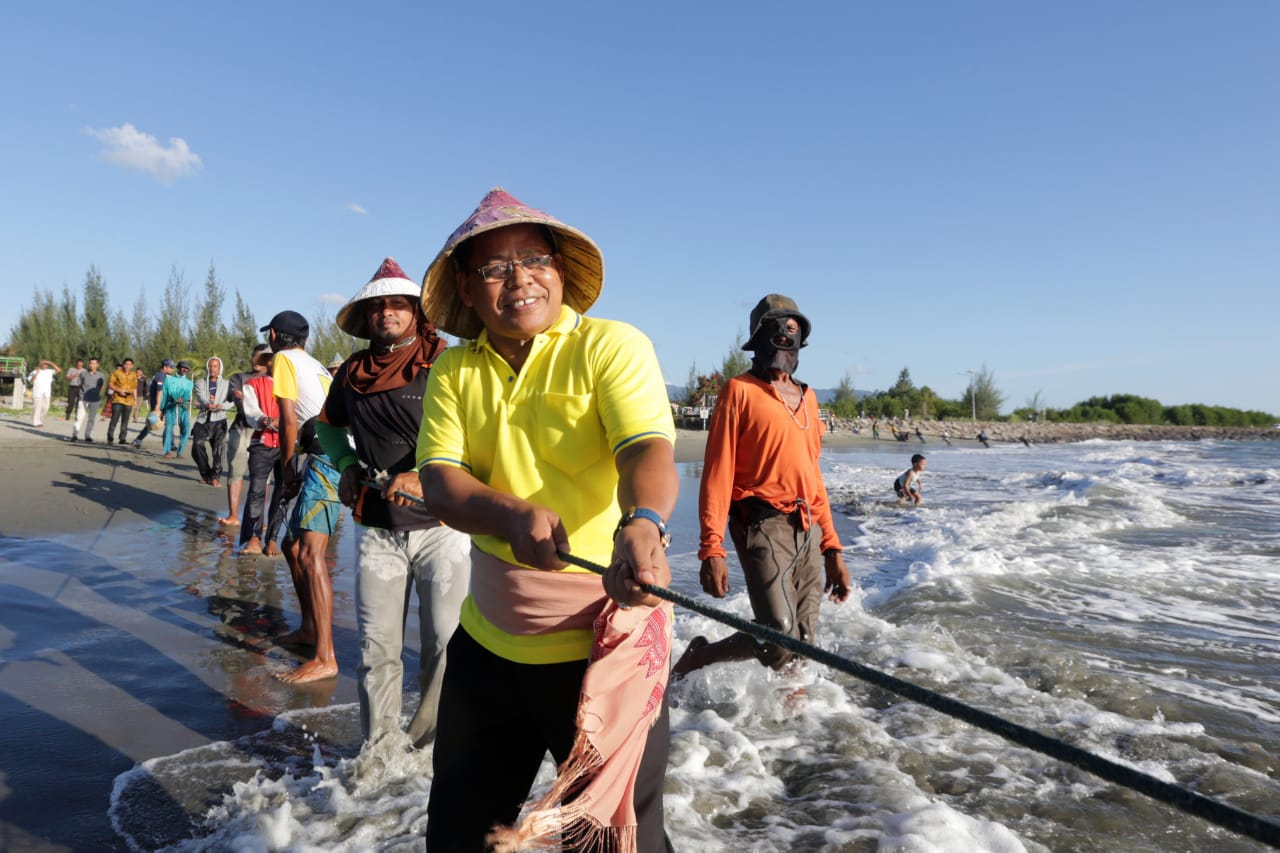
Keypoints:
(42, 380)
(299, 377)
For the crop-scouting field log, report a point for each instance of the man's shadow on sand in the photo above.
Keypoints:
(114, 495)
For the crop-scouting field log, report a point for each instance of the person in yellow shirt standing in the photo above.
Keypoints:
(124, 388)
(547, 431)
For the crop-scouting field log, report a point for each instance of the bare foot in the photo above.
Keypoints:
(252, 548)
(796, 700)
(312, 670)
(229, 521)
(688, 661)
(273, 550)
(296, 638)
(214, 482)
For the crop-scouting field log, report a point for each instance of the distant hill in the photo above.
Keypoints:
(675, 393)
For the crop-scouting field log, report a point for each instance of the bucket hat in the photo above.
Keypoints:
(389, 280)
(771, 307)
(582, 261)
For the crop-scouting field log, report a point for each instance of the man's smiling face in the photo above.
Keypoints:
(525, 302)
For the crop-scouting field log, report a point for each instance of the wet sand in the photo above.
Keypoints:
(692, 443)
(52, 485)
(130, 629)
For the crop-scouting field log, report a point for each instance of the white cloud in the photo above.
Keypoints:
(355, 208)
(129, 147)
(333, 299)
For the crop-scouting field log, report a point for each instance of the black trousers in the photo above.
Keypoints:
(264, 462)
(119, 415)
(73, 399)
(498, 719)
(209, 448)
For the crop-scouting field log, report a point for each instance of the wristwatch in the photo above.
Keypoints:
(648, 515)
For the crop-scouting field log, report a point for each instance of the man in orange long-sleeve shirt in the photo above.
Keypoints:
(761, 474)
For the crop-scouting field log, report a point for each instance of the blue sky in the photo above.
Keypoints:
(1083, 197)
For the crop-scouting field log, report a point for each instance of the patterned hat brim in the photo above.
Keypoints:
(581, 260)
(354, 320)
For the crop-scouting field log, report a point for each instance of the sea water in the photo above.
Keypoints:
(1122, 597)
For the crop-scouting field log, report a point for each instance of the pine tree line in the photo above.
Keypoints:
(186, 323)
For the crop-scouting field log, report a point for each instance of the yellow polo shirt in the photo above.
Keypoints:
(548, 434)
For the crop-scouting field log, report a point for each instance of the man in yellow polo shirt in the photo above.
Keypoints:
(545, 431)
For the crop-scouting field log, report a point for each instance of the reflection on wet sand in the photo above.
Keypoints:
(141, 640)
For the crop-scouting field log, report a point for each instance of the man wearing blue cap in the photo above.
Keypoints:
(153, 400)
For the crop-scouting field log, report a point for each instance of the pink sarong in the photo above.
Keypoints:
(622, 695)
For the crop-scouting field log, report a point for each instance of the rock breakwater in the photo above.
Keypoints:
(1045, 433)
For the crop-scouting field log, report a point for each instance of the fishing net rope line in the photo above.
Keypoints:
(1221, 814)
(1218, 813)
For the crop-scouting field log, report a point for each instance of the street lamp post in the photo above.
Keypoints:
(973, 400)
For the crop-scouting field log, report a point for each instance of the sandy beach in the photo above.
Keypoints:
(130, 630)
(54, 486)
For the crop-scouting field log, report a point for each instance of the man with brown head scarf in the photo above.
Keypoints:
(376, 399)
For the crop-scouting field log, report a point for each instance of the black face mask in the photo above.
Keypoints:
(781, 333)
(777, 347)
(768, 357)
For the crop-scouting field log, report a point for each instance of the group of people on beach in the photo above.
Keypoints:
(491, 477)
(87, 390)
(169, 394)
(521, 483)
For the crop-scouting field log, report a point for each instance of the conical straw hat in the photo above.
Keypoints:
(389, 280)
(581, 259)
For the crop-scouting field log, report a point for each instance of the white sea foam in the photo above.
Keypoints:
(1118, 596)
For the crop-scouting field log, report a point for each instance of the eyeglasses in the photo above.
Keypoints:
(503, 270)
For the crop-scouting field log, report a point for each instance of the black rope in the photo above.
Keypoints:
(1221, 814)
(1228, 817)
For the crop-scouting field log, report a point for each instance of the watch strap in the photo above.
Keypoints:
(648, 515)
